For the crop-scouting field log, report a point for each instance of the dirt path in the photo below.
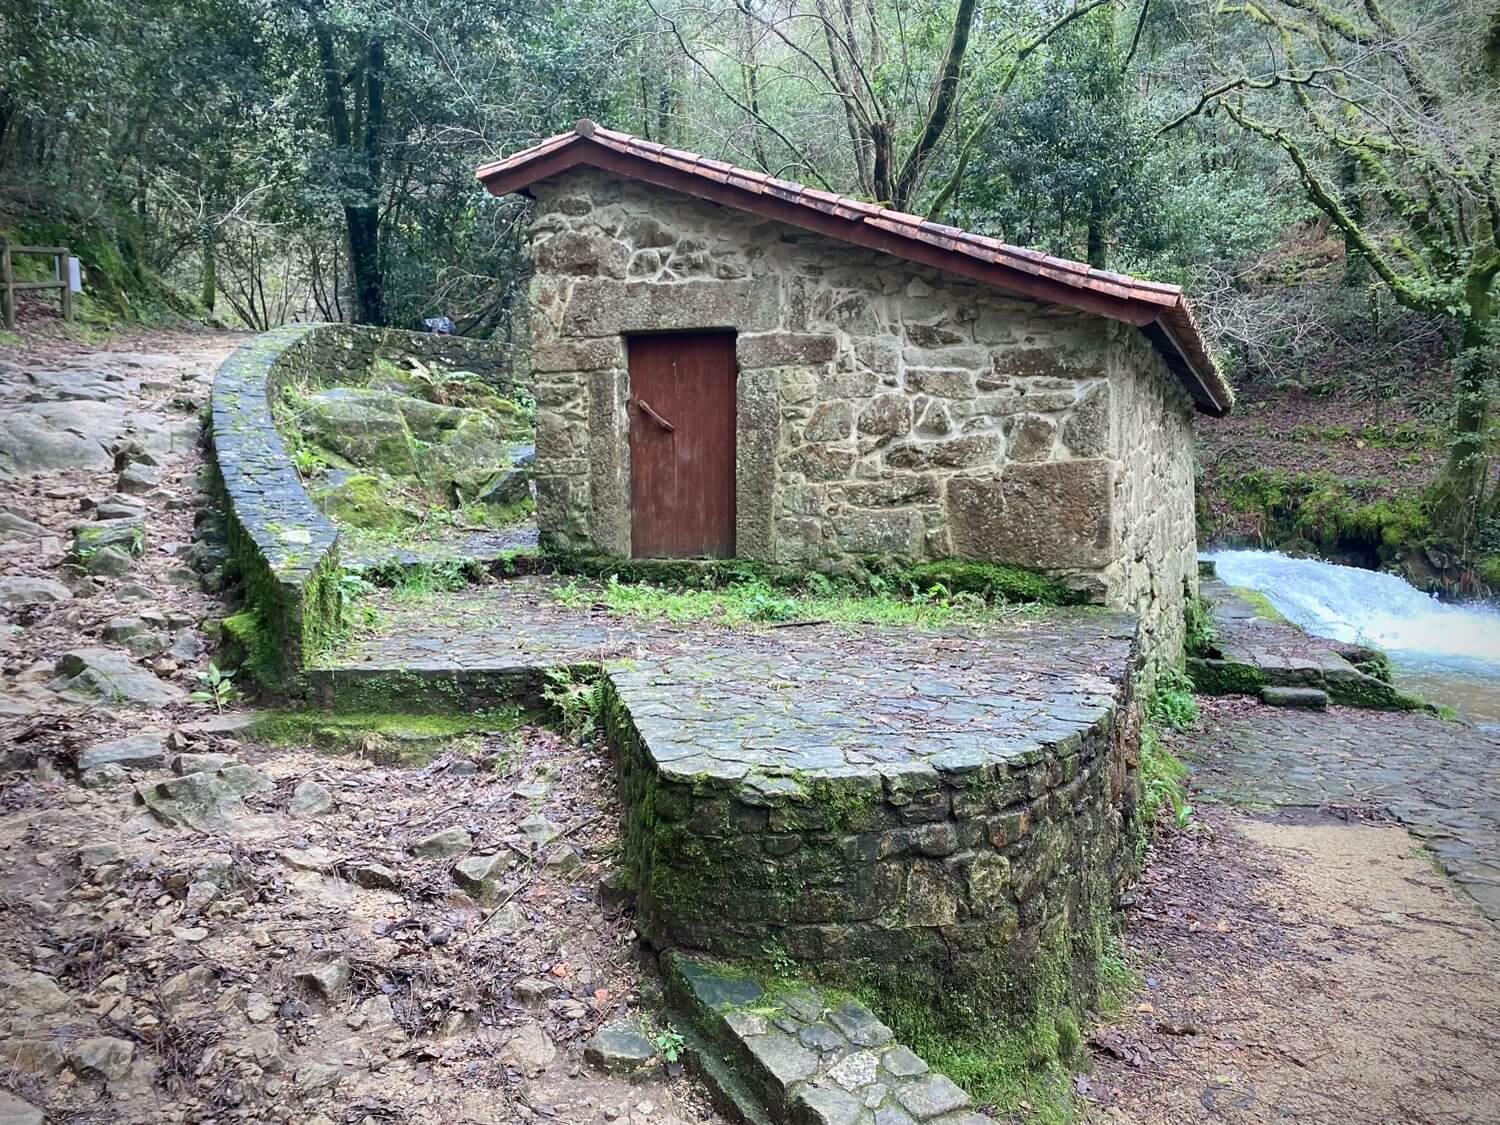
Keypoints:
(305, 957)
(1440, 779)
(1301, 966)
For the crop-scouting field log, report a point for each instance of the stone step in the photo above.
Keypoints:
(1306, 698)
(726, 1089)
(807, 1059)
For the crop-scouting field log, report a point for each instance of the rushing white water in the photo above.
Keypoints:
(1448, 652)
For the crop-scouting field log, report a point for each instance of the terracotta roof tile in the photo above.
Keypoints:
(1161, 310)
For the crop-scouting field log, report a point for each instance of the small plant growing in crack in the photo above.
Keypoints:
(576, 697)
(218, 687)
(668, 1041)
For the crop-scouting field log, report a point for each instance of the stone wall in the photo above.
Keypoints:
(1154, 497)
(986, 884)
(883, 408)
(285, 547)
(342, 353)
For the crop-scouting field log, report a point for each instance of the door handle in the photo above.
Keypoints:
(655, 417)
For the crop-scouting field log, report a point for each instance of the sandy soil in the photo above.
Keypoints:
(1303, 968)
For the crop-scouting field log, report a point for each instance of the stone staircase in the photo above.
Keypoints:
(785, 1052)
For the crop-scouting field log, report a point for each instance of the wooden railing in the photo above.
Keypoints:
(9, 286)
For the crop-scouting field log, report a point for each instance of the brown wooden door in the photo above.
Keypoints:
(682, 397)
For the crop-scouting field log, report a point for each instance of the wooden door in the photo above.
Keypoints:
(682, 399)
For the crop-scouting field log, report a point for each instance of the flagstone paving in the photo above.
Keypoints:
(933, 802)
(1440, 779)
(809, 697)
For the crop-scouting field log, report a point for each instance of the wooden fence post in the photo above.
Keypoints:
(7, 294)
(61, 265)
(65, 271)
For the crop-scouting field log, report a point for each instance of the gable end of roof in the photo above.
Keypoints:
(1161, 311)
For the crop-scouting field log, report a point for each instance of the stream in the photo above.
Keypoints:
(1445, 652)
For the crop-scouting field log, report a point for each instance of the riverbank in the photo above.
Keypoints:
(1338, 432)
(1448, 654)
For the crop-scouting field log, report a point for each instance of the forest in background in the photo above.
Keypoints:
(1321, 176)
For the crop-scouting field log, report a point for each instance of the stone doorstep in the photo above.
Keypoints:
(801, 1060)
(436, 684)
(1309, 699)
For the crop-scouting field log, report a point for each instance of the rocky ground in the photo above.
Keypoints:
(200, 925)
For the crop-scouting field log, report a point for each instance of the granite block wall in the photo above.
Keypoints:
(988, 883)
(883, 408)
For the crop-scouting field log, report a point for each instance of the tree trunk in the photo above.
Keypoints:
(364, 263)
(362, 219)
(210, 271)
(1356, 269)
(1457, 495)
(1098, 247)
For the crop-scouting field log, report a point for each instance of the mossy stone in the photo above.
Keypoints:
(367, 502)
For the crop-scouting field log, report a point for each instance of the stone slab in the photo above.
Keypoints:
(830, 1084)
(1307, 699)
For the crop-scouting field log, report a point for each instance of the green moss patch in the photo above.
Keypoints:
(366, 502)
(750, 602)
(389, 738)
(1259, 602)
(250, 644)
(991, 581)
(427, 446)
(1356, 519)
(737, 592)
(940, 579)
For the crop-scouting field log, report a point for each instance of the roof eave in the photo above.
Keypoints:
(1150, 311)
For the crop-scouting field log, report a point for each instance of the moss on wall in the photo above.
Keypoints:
(990, 581)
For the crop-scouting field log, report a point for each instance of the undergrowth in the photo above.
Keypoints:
(754, 600)
(1202, 633)
(412, 583)
(989, 582)
(576, 695)
(1171, 706)
(1324, 512)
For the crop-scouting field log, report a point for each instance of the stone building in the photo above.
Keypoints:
(728, 364)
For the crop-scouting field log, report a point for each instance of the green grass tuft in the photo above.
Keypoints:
(754, 601)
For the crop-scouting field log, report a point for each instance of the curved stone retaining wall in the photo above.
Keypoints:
(984, 880)
(286, 548)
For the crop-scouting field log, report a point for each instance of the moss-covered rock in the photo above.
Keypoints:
(448, 454)
(361, 426)
(367, 502)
